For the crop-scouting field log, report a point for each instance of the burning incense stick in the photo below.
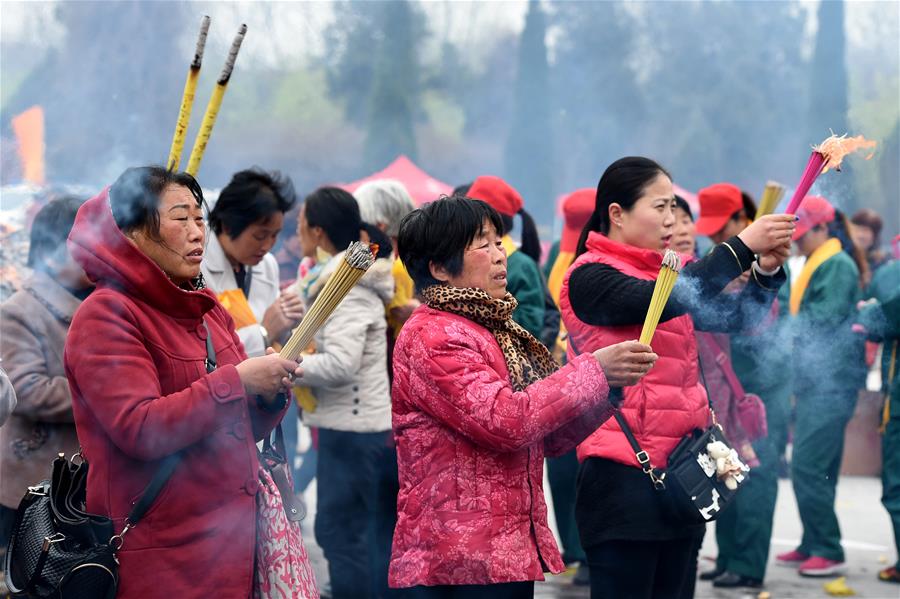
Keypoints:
(215, 101)
(356, 261)
(827, 155)
(187, 99)
(772, 194)
(668, 273)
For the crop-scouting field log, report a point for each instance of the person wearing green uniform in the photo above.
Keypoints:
(744, 530)
(829, 369)
(881, 319)
(523, 277)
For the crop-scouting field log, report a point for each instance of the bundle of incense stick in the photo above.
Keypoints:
(187, 99)
(772, 194)
(668, 273)
(215, 102)
(827, 155)
(356, 261)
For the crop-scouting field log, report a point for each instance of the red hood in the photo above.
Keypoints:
(111, 260)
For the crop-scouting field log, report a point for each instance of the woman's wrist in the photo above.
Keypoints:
(761, 271)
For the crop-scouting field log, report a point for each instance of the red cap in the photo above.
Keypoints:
(497, 193)
(577, 208)
(813, 210)
(717, 203)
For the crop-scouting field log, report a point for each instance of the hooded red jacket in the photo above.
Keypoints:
(470, 454)
(669, 401)
(135, 362)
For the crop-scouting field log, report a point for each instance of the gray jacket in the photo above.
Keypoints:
(33, 330)
(7, 397)
(348, 373)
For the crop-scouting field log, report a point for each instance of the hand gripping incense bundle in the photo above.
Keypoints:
(827, 155)
(668, 273)
(358, 258)
(187, 99)
(772, 194)
(215, 102)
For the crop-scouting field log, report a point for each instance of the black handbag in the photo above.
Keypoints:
(689, 487)
(57, 549)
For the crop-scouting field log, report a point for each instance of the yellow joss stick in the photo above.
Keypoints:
(770, 198)
(187, 99)
(215, 101)
(668, 273)
(358, 258)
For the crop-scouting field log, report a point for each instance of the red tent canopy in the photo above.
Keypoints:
(421, 186)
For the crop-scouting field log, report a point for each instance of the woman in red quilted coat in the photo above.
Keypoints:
(477, 402)
(134, 358)
(633, 549)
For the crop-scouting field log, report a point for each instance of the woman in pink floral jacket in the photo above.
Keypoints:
(477, 402)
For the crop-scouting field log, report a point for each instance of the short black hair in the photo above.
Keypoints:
(50, 229)
(251, 196)
(680, 202)
(439, 233)
(134, 197)
(748, 207)
(337, 212)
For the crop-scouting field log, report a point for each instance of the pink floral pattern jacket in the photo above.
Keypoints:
(470, 454)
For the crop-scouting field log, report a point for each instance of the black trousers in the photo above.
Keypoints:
(506, 590)
(640, 569)
(356, 511)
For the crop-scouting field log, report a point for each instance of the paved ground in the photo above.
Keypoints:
(868, 541)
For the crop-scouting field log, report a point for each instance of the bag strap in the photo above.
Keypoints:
(166, 469)
(727, 368)
(293, 506)
(643, 458)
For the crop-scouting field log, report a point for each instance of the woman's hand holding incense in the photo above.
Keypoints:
(625, 363)
(775, 258)
(768, 232)
(267, 375)
(283, 314)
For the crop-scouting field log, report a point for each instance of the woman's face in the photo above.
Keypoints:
(310, 237)
(683, 234)
(650, 222)
(252, 245)
(484, 265)
(731, 228)
(863, 237)
(179, 249)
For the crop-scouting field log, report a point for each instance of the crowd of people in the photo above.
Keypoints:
(434, 394)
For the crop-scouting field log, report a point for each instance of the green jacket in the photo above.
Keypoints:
(828, 356)
(882, 322)
(523, 280)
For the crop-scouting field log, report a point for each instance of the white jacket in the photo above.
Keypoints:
(219, 277)
(348, 373)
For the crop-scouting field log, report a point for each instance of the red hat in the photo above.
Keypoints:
(577, 208)
(813, 210)
(497, 193)
(717, 204)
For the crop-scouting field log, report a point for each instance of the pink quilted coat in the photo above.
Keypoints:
(470, 453)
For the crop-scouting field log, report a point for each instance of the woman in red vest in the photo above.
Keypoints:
(633, 550)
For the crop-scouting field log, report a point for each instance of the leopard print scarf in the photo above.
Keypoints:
(526, 358)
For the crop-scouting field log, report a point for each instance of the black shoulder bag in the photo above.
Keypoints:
(690, 489)
(59, 550)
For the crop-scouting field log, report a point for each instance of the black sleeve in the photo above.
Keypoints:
(604, 296)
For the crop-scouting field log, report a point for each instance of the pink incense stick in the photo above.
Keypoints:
(813, 169)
